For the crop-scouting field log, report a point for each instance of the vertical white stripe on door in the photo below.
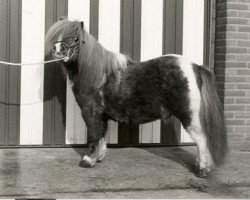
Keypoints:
(109, 37)
(193, 26)
(76, 131)
(79, 10)
(32, 48)
(151, 46)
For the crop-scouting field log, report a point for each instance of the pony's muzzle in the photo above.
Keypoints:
(59, 50)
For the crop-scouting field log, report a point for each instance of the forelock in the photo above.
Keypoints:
(63, 29)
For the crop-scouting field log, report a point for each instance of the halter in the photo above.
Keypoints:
(69, 47)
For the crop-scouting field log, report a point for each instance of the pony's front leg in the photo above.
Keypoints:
(102, 146)
(102, 150)
(97, 144)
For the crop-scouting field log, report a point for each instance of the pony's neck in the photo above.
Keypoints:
(98, 55)
(95, 63)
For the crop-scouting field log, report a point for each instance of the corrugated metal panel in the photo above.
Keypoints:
(10, 76)
(109, 37)
(94, 18)
(151, 47)
(193, 39)
(130, 45)
(3, 70)
(31, 122)
(76, 131)
(54, 119)
(172, 43)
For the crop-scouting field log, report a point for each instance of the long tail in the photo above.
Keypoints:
(212, 117)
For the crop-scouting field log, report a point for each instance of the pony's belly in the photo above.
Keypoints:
(143, 117)
(139, 114)
(149, 115)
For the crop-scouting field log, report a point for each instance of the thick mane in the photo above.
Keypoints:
(95, 63)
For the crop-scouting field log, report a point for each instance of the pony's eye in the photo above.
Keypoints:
(76, 39)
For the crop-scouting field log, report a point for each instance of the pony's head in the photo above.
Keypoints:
(64, 39)
(88, 61)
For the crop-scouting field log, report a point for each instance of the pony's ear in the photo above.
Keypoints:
(62, 18)
(82, 24)
(82, 31)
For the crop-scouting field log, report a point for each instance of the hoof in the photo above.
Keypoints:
(87, 162)
(202, 173)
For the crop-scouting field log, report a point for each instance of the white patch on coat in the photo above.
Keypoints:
(58, 47)
(102, 149)
(90, 161)
(103, 144)
(87, 159)
(188, 72)
(101, 95)
(58, 44)
(120, 64)
(121, 60)
(195, 130)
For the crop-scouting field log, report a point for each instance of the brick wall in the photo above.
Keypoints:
(232, 65)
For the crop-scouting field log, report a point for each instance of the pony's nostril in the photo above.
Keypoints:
(54, 48)
(63, 48)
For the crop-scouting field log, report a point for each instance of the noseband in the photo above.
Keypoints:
(68, 47)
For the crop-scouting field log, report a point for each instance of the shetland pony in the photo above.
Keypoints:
(111, 86)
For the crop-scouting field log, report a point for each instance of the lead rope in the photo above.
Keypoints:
(66, 58)
(21, 64)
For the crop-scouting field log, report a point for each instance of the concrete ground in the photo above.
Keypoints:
(125, 173)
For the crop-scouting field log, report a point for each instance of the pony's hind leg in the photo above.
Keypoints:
(204, 158)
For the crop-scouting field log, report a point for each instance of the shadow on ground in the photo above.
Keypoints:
(181, 155)
(215, 183)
